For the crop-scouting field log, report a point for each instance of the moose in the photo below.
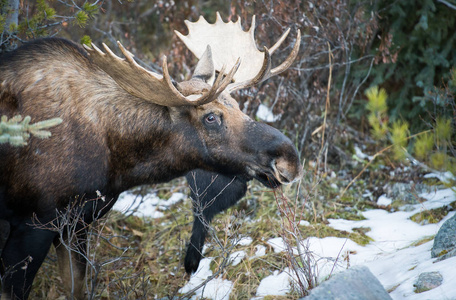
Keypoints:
(125, 126)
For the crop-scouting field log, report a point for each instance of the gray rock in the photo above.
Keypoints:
(356, 283)
(445, 240)
(446, 255)
(427, 281)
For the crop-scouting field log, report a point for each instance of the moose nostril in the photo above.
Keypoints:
(286, 171)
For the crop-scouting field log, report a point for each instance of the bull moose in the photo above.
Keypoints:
(125, 126)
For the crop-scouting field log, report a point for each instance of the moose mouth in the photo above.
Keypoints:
(268, 180)
(272, 176)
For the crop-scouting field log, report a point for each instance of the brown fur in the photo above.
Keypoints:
(109, 141)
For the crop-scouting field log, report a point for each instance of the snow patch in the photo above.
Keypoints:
(277, 284)
(148, 205)
(265, 113)
(260, 251)
(444, 177)
(277, 244)
(236, 257)
(359, 153)
(304, 223)
(384, 201)
(216, 289)
(245, 241)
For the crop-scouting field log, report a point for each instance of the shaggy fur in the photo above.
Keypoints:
(109, 141)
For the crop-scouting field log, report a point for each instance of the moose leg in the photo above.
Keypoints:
(23, 254)
(211, 194)
(4, 233)
(72, 263)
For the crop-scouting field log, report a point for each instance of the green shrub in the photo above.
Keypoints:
(435, 147)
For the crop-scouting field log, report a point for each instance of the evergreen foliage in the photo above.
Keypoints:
(40, 19)
(16, 130)
(424, 145)
(378, 109)
(415, 52)
(399, 134)
(86, 40)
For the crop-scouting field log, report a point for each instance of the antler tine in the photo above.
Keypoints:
(279, 42)
(229, 77)
(128, 55)
(219, 85)
(213, 92)
(291, 57)
(144, 84)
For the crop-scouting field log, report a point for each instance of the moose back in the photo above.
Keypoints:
(124, 126)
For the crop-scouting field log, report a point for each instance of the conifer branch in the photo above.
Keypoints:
(16, 130)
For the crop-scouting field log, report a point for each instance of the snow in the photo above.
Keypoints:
(265, 113)
(359, 153)
(277, 284)
(391, 257)
(217, 288)
(148, 205)
(277, 244)
(304, 223)
(384, 201)
(236, 257)
(444, 177)
(260, 250)
(245, 241)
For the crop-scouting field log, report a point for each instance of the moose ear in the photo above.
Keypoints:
(205, 68)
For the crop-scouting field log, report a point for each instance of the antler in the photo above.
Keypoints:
(151, 86)
(229, 41)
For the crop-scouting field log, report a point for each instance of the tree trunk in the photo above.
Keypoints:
(12, 16)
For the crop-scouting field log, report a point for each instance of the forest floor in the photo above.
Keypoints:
(272, 244)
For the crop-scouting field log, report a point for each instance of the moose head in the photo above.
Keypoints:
(228, 141)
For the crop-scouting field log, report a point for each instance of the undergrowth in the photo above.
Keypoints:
(142, 258)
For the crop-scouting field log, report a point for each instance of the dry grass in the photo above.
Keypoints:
(149, 252)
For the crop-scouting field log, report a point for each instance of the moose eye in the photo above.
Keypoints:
(210, 119)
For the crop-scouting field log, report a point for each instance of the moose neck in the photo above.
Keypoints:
(146, 147)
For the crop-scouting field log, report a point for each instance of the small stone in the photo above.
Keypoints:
(427, 281)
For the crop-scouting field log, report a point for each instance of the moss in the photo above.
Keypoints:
(320, 230)
(442, 253)
(433, 216)
(347, 215)
(423, 241)
(360, 236)
(390, 290)
(347, 199)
